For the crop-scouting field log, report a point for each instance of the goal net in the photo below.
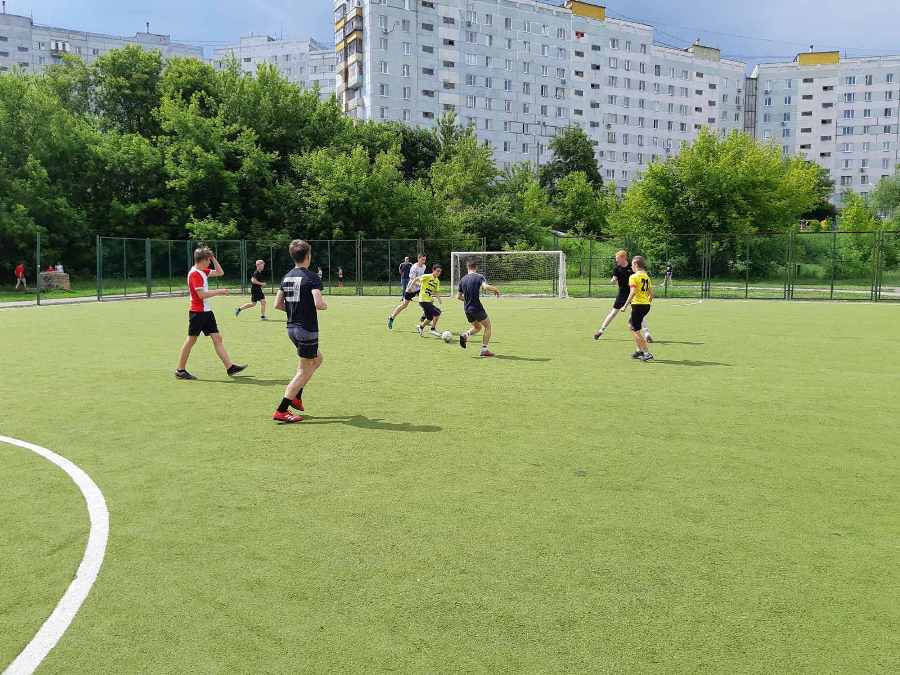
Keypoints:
(536, 273)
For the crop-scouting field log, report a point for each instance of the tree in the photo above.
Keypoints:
(572, 151)
(731, 185)
(127, 89)
(886, 196)
(582, 208)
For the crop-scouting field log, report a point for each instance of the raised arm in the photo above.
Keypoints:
(217, 272)
(321, 305)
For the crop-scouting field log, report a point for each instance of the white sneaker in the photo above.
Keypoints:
(420, 331)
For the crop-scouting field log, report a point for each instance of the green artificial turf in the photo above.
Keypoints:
(731, 507)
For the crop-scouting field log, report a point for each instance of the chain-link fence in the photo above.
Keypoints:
(790, 266)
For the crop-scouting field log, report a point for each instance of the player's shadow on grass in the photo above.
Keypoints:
(527, 359)
(659, 342)
(378, 424)
(693, 364)
(246, 379)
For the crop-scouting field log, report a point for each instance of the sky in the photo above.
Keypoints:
(753, 31)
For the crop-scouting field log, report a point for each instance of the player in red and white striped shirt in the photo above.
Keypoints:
(201, 319)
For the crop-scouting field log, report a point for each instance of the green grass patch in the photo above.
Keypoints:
(731, 507)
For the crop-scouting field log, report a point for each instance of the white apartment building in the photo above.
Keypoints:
(843, 114)
(32, 47)
(304, 62)
(519, 71)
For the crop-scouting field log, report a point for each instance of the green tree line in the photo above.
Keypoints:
(136, 146)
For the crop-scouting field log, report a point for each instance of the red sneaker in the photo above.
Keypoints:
(297, 404)
(485, 353)
(286, 417)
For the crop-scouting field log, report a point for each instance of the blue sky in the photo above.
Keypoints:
(759, 30)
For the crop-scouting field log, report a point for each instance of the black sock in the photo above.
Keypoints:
(284, 405)
(180, 370)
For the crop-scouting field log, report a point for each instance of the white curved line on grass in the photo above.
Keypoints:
(58, 622)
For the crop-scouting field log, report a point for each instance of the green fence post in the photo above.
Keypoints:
(37, 262)
(359, 288)
(99, 290)
(590, 268)
(243, 254)
(390, 273)
(875, 292)
(272, 266)
(124, 268)
(148, 267)
(329, 266)
(747, 271)
(833, 262)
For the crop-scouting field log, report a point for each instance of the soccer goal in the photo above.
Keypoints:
(535, 273)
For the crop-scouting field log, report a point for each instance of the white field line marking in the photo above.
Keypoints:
(688, 304)
(58, 622)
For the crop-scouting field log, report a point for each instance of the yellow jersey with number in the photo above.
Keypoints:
(430, 286)
(640, 282)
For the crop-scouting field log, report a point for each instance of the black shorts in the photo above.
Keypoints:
(429, 311)
(621, 299)
(410, 295)
(256, 293)
(307, 343)
(202, 322)
(638, 313)
(476, 314)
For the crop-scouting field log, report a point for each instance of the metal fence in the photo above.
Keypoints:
(792, 266)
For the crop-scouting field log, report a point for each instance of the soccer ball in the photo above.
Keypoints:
(447, 336)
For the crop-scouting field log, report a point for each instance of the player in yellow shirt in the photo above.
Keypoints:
(640, 297)
(429, 291)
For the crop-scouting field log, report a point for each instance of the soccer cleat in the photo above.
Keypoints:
(463, 341)
(297, 404)
(235, 369)
(637, 355)
(390, 323)
(598, 334)
(646, 357)
(263, 318)
(286, 417)
(487, 353)
(434, 333)
(648, 337)
(237, 311)
(183, 375)
(420, 331)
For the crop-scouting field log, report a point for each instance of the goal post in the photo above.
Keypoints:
(532, 273)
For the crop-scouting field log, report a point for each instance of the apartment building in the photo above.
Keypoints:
(304, 62)
(842, 113)
(33, 47)
(520, 71)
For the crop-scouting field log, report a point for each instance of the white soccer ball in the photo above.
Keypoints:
(447, 336)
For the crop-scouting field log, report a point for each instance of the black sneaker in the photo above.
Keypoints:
(235, 369)
(183, 375)
(647, 357)
(598, 335)
(463, 342)
(637, 355)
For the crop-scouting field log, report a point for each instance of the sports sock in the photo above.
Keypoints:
(284, 405)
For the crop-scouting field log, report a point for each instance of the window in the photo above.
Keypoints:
(869, 80)
(382, 22)
(850, 80)
(383, 67)
(384, 89)
(427, 49)
(382, 43)
(407, 49)
(404, 70)
(407, 93)
(614, 43)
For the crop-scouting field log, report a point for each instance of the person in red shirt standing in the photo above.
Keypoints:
(20, 276)
(201, 318)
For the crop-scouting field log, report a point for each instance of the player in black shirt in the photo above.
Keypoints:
(257, 283)
(300, 295)
(621, 274)
(405, 267)
(469, 292)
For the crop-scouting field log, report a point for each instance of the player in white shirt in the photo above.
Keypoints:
(412, 289)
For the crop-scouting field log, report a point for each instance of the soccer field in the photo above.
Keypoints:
(731, 507)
